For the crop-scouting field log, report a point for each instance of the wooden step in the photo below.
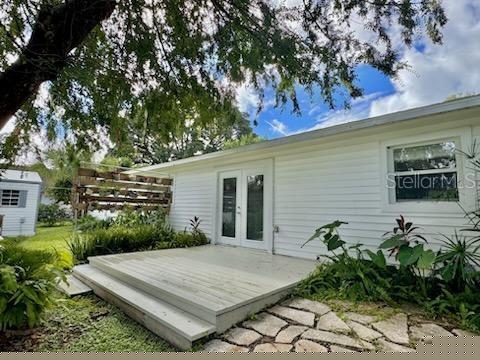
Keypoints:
(167, 321)
(169, 290)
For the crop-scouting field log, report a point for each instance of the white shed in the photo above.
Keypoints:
(272, 195)
(20, 193)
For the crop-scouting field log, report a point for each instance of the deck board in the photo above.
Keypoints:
(217, 277)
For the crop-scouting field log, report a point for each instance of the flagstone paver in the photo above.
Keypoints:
(395, 328)
(299, 316)
(331, 322)
(290, 333)
(222, 346)
(392, 347)
(459, 332)
(273, 347)
(339, 349)
(315, 307)
(292, 326)
(309, 346)
(244, 337)
(332, 338)
(363, 332)
(360, 318)
(426, 332)
(266, 324)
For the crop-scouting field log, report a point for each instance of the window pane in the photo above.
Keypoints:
(255, 207)
(229, 205)
(440, 187)
(425, 157)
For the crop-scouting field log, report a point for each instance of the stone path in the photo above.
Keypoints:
(301, 325)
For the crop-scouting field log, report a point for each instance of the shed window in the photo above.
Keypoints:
(10, 198)
(425, 172)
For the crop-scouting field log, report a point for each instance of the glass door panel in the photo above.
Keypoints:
(229, 201)
(254, 207)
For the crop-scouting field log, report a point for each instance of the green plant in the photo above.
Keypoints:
(458, 260)
(27, 286)
(88, 223)
(51, 214)
(404, 243)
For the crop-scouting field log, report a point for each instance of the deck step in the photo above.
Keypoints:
(167, 321)
(73, 287)
(169, 290)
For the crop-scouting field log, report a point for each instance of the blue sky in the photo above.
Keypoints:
(437, 72)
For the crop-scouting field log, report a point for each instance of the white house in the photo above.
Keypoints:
(20, 193)
(272, 195)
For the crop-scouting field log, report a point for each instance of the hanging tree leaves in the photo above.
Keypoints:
(73, 67)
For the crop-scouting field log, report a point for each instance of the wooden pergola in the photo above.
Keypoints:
(117, 190)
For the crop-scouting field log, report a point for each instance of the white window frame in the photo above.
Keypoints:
(10, 197)
(467, 197)
(394, 174)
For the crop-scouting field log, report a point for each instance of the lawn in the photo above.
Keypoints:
(82, 323)
(86, 323)
(50, 238)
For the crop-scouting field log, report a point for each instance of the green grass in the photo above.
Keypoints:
(50, 238)
(86, 323)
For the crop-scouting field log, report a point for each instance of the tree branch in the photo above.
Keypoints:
(58, 30)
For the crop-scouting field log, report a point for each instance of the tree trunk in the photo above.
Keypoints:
(57, 31)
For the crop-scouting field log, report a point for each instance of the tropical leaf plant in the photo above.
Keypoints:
(459, 259)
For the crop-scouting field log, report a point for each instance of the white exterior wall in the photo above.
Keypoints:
(12, 225)
(340, 177)
(193, 195)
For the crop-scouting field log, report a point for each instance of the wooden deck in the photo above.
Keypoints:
(198, 290)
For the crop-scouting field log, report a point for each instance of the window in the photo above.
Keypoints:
(10, 198)
(426, 172)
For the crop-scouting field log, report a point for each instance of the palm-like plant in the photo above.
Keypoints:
(459, 257)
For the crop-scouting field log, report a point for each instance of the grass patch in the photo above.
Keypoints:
(53, 238)
(86, 323)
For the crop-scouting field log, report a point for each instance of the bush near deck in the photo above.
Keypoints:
(446, 283)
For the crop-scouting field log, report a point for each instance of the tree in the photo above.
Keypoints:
(152, 141)
(97, 60)
(62, 164)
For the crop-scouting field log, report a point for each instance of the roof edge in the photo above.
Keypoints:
(399, 116)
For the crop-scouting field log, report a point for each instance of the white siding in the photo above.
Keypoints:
(335, 178)
(344, 182)
(193, 195)
(12, 225)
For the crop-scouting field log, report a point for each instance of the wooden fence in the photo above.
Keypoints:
(113, 190)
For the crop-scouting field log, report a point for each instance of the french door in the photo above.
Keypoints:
(245, 207)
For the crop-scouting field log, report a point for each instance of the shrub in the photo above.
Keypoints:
(27, 286)
(89, 223)
(117, 239)
(135, 218)
(445, 283)
(51, 214)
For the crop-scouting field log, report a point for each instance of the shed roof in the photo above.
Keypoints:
(400, 116)
(20, 176)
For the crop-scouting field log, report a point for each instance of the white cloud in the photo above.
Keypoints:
(278, 127)
(247, 98)
(440, 71)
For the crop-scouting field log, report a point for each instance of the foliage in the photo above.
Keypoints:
(133, 236)
(404, 243)
(61, 190)
(51, 239)
(172, 139)
(459, 261)
(129, 217)
(51, 214)
(86, 323)
(445, 283)
(89, 223)
(28, 282)
(163, 55)
(244, 140)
